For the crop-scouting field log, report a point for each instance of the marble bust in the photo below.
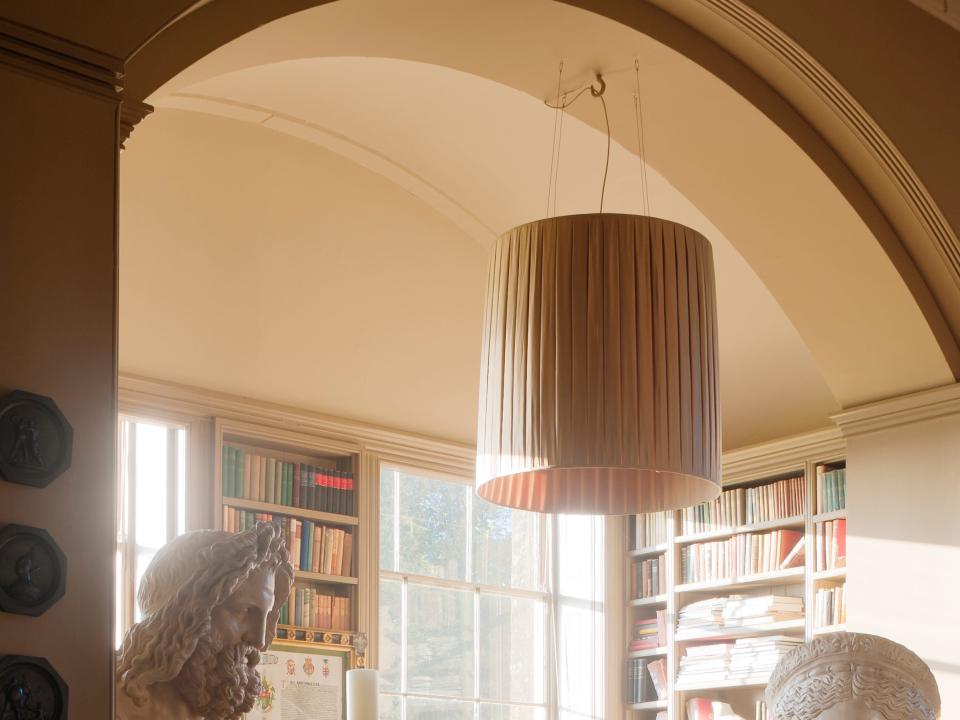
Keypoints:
(210, 602)
(852, 676)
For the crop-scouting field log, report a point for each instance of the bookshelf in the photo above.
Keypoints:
(748, 544)
(310, 486)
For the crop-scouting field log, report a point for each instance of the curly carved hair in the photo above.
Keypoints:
(890, 679)
(186, 580)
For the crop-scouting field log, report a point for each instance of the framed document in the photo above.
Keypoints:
(303, 681)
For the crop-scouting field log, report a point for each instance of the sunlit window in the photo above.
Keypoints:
(150, 504)
(473, 601)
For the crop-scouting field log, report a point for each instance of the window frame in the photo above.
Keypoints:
(550, 596)
(178, 472)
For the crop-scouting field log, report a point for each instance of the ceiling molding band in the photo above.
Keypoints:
(131, 113)
(834, 95)
(146, 396)
(60, 60)
(896, 412)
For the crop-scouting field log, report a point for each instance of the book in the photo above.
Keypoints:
(658, 676)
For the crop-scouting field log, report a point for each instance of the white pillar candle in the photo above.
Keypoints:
(362, 695)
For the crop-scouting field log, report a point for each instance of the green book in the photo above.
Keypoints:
(843, 487)
(283, 484)
(225, 471)
(271, 480)
(288, 500)
(237, 472)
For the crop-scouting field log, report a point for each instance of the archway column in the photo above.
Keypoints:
(58, 263)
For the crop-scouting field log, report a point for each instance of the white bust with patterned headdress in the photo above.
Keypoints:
(852, 676)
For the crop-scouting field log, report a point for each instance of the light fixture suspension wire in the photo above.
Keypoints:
(598, 93)
(641, 145)
(554, 149)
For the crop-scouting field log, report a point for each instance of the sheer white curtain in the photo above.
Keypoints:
(579, 616)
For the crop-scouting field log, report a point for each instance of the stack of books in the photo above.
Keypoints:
(650, 633)
(747, 661)
(308, 607)
(831, 489)
(741, 555)
(719, 615)
(648, 578)
(831, 606)
(647, 530)
(752, 660)
(270, 480)
(831, 540)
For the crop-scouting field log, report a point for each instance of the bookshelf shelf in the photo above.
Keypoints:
(310, 487)
(835, 574)
(652, 705)
(301, 513)
(649, 602)
(778, 577)
(328, 579)
(762, 482)
(827, 629)
(779, 628)
(652, 652)
(651, 551)
(796, 521)
(721, 685)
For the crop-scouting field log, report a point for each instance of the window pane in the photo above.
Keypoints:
(388, 506)
(489, 711)
(506, 546)
(151, 490)
(433, 538)
(391, 632)
(512, 663)
(580, 557)
(389, 707)
(439, 641)
(421, 709)
(181, 481)
(581, 660)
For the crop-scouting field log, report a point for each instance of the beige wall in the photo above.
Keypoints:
(57, 272)
(903, 581)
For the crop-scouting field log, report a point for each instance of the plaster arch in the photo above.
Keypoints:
(734, 41)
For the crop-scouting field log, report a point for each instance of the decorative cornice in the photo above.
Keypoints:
(131, 113)
(403, 447)
(903, 410)
(783, 455)
(854, 116)
(60, 60)
(140, 394)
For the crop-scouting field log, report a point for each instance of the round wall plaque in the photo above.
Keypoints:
(36, 440)
(33, 571)
(31, 688)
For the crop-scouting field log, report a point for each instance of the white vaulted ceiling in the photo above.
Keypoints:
(305, 219)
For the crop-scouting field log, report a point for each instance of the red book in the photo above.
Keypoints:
(841, 534)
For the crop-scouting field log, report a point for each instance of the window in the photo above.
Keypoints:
(471, 605)
(150, 504)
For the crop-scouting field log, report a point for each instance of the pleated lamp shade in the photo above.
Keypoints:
(598, 383)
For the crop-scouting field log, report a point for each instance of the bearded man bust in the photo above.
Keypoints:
(210, 602)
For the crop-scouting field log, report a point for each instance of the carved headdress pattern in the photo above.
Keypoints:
(892, 680)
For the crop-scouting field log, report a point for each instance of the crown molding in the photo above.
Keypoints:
(60, 60)
(898, 411)
(784, 455)
(143, 394)
(131, 113)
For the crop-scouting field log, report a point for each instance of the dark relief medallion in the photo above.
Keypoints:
(35, 439)
(30, 689)
(33, 571)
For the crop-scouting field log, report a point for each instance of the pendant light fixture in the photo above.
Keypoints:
(599, 382)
